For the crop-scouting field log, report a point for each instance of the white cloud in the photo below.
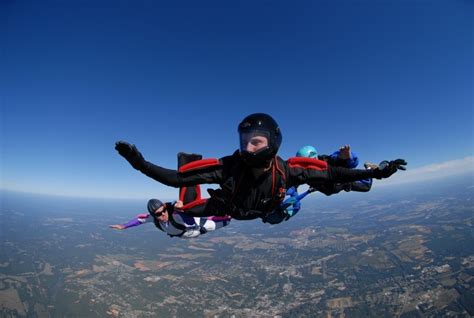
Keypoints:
(450, 168)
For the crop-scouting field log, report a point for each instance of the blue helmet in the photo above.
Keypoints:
(307, 152)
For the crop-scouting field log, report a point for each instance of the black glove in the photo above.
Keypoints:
(387, 168)
(130, 152)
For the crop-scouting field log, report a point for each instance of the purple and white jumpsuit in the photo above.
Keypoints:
(194, 226)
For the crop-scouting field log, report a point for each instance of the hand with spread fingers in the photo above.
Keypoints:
(130, 153)
(387, 168)
(345, 152)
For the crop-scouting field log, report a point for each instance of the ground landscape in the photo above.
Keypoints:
(407, 253)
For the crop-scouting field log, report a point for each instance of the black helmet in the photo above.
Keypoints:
(259, 124)
(153, 205)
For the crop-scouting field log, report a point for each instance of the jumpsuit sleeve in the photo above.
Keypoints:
(334, 160)
(341, 174)
(333, 188)
(361, 185)
(132, 223)
(213, 223)
(316, 172)
(136, 221)
(199, 172)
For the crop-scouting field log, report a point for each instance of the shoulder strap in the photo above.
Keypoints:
(177, 225)
(280, 173)
(278, 186)
(158, 225)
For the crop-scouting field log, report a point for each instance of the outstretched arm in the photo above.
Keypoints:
(314, 172)
(194, 173)
(133, 222)
(344, 157)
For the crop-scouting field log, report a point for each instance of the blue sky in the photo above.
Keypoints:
(391, 78)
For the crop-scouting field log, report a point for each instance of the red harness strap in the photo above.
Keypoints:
(307, 163)
(277, 169)
(182, 193)
(280, 169)
(199, 164)
(183, 190)
(193, 204)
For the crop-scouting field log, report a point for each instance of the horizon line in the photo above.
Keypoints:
(425, 173)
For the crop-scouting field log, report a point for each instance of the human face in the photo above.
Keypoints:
(255, 143)
(161, 214)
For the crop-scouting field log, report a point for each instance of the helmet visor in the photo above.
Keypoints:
(254, 140)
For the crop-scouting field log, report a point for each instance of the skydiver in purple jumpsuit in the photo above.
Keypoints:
(173, 223)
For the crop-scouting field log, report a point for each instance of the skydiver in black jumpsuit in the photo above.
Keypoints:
(253, 181)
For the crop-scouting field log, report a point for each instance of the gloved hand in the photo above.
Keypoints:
(130, 153)
(387, 168)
